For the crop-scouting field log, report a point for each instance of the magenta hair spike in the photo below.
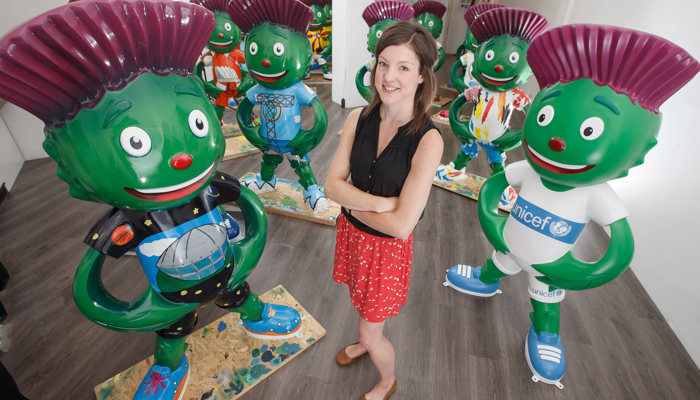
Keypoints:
(67, 58)
(320, 3)
(212, 5)
(478, 9)
(646, 68)
(429, 6)
(518, 22)
(387, 9)
(291, 14)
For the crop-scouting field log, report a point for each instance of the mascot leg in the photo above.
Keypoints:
(543, 347)
(476, 281)
(168, 376)
(265, 180)
(314, 197)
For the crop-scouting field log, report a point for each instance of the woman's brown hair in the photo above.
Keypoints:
(423, 44)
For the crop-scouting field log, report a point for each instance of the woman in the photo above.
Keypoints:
(381, 174)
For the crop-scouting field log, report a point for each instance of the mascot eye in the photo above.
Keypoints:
(319, 15)
(514, 57)
(592, 128)
(135, 141)
(278, 48)
(431, 23)
(489, 55)
(227, 26)
(199, 125)
(545, 116)
(420, 22)
(379, 34)
(253, 48)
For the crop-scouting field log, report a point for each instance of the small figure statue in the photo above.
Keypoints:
(379, 16)
(429, 14)
(318, 35)
(328, 27)
(596, 116)
(504, 35)
(132, 128)
(278, 54)
(224, 58)
(461, 71)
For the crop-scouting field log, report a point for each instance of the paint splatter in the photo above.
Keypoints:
(222, 326)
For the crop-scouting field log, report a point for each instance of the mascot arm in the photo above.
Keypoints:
(457, 76)
(250, 130)
(149, 312)
(441, 59)
(248, 251)
(460, 127)
(492, 223)
(570, 273)
(306, 140)
(365, 91)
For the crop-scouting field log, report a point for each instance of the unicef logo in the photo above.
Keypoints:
(559, 228)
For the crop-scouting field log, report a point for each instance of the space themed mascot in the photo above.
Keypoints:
(129, 126)
(596, 116)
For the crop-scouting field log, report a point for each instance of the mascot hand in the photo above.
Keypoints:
(304, 142)
(510, 140)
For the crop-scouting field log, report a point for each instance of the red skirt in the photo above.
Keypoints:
(377, 270)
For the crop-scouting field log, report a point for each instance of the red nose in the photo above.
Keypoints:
(181, 161)
(266, 63)
(498, 68)
(557, 144)
(221, 35)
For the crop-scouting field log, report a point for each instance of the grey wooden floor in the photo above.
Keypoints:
(449, 345)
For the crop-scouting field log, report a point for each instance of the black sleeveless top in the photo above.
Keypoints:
(382, 176)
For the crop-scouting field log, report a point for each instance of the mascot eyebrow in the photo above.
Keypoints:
(115, 110)
(188, 90)
(607, 103)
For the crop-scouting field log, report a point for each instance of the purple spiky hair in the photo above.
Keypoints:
(429, 6)
(518, 22)
(646, 68)
(66, 59)
(478, 9)
(387, 9)
(319, 3)
(291, 14)
(212, 5)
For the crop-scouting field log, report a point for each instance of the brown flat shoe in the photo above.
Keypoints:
(344, 359)
(388, 394)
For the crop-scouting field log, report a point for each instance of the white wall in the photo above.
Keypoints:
(660, 193)
(10, 157)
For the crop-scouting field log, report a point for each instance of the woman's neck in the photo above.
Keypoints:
(399, 115)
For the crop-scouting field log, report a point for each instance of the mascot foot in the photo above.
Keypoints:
(278, 322)
(448, 173)
(328, 76)
(160, 383)
(545, 357)
(315, 198)
(465, 279)
(258, 185)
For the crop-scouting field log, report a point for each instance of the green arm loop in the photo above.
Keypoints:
(306, 140)
(440, 61)
(365, 91)
(460, 127)
(457, 76)
(147, 313)
(570, 273)
(211, 89)
(251, 132)
(327, 50)
(248, 251)
(492, 223)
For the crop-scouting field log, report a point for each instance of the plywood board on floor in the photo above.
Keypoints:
(469, 185)
(239, 146)
(225, 362)
(288, 199)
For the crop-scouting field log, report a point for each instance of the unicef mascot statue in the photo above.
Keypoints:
(596, 116)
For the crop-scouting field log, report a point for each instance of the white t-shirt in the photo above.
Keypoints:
(544, 224)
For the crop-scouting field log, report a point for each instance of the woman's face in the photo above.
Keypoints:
(398, 75)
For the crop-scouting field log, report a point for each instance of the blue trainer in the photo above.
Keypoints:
(279, 322)
(160, 383)
(315, 198)
(545, 357)
(465, 279)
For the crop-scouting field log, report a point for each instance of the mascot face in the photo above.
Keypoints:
(135, 153)
(500, 64)
(276, 57)
(581, 134)
(375, 32)
(226, 35)
(431, 22)
(319, 18)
